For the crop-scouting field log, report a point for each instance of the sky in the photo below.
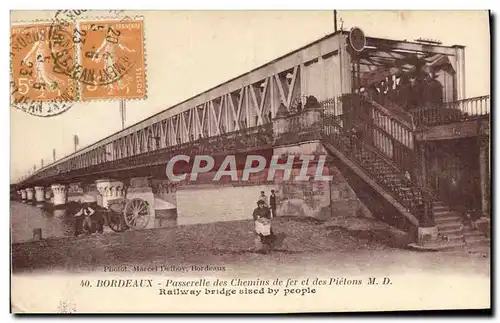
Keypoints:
(188, 52)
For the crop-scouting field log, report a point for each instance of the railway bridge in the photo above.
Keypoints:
(390, 119)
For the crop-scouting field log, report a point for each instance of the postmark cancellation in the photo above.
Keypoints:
(112, 57)
(78, 60)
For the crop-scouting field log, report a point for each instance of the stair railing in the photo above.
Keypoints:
(391, 134)
(373, 162)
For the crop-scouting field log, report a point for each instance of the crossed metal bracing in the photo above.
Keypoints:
(376, 64)
(250, 100)
(252, 105)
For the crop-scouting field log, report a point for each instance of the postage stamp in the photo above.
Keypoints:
(70, 59)
(112, 60)
(34, 75)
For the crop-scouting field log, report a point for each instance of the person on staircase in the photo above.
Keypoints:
(356, 138)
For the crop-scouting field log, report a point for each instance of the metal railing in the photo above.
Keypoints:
(449, 112)
(375, 163)
(233, 141)
(375, 125)
(387, 105)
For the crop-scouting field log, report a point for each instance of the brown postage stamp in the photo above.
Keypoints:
(36, 85)
(112, 60)
(33, 69)
(76, 60)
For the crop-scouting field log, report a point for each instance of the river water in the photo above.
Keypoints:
(194, 205)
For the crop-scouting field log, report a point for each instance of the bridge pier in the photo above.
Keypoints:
(23, 196)
(29, 194)
(109, 190)
(90, 192)
(165, 194)
(484, 173)
(39, 195)
(60, 196)
(48, 193)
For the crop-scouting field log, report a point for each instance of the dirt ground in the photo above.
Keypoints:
(302, 244)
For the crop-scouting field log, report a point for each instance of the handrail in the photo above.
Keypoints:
(380, 128)
(367, 145)
(376, 151)
(454, 111)
(394, 114)
(412, 199)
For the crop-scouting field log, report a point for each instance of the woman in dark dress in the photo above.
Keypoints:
(262, 216)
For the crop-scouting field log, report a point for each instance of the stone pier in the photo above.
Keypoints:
(29, 194)
(165, 194)
(321, 191)
(48, 194)
(485, 175)
(90, 193)
(39, 195)
(60, 194)
(24, 196)
(109, 190)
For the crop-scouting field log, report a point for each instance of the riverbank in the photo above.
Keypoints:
(220, 243)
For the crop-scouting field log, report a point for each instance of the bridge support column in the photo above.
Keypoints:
(312, 196)
(23, 196)
(484, 174)
(280, 122)
(311, 113)
(39, 195)
(48, 194)
(29, 194)
(165, 194)
(109, 190)
(459, 65)
(59, 192)
(427, 229)
(90, 192)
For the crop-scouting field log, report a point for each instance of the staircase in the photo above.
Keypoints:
(369, 164)
(475, 241)
(460, 234)
(395, 185)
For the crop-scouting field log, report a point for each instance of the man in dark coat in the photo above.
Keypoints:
(413, 93)
(87, 221)
(272, 203)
